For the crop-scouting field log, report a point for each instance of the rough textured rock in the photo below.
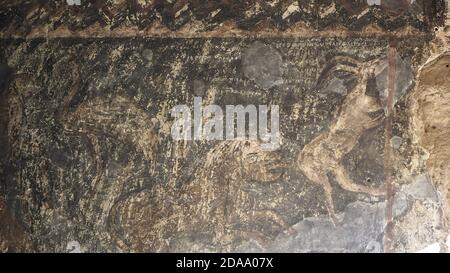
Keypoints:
(88, 162)
(14, 237)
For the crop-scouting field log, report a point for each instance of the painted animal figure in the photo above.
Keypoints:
(213, 212)
(323, 155)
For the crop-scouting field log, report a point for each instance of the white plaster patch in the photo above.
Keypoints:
(434, 248)
(373, 2)
(73, 247)
(421, 188)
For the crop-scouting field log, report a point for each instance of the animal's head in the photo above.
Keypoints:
(259, 164)
(249, 158)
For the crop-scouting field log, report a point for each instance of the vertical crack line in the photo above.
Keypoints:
(388, 154)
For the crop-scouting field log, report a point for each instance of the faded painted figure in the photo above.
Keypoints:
(216, 211)
(323, 155)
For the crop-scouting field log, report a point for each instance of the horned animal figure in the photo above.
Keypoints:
(323, 155)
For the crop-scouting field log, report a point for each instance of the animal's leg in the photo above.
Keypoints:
(347, 183)
(275, 218)
(320, 177)
(328, 191)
